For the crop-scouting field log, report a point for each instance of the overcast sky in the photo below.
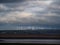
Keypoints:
(42, 13)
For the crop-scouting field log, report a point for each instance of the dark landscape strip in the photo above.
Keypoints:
(19, 36)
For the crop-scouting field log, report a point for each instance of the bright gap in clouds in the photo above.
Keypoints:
(48, 2)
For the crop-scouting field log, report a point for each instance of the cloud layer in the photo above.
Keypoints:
(31, 12)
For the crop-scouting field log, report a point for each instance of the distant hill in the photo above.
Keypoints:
(30, 32)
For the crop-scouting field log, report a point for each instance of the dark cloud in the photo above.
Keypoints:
(10, 1)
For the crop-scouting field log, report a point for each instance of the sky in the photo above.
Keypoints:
(27, 14)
